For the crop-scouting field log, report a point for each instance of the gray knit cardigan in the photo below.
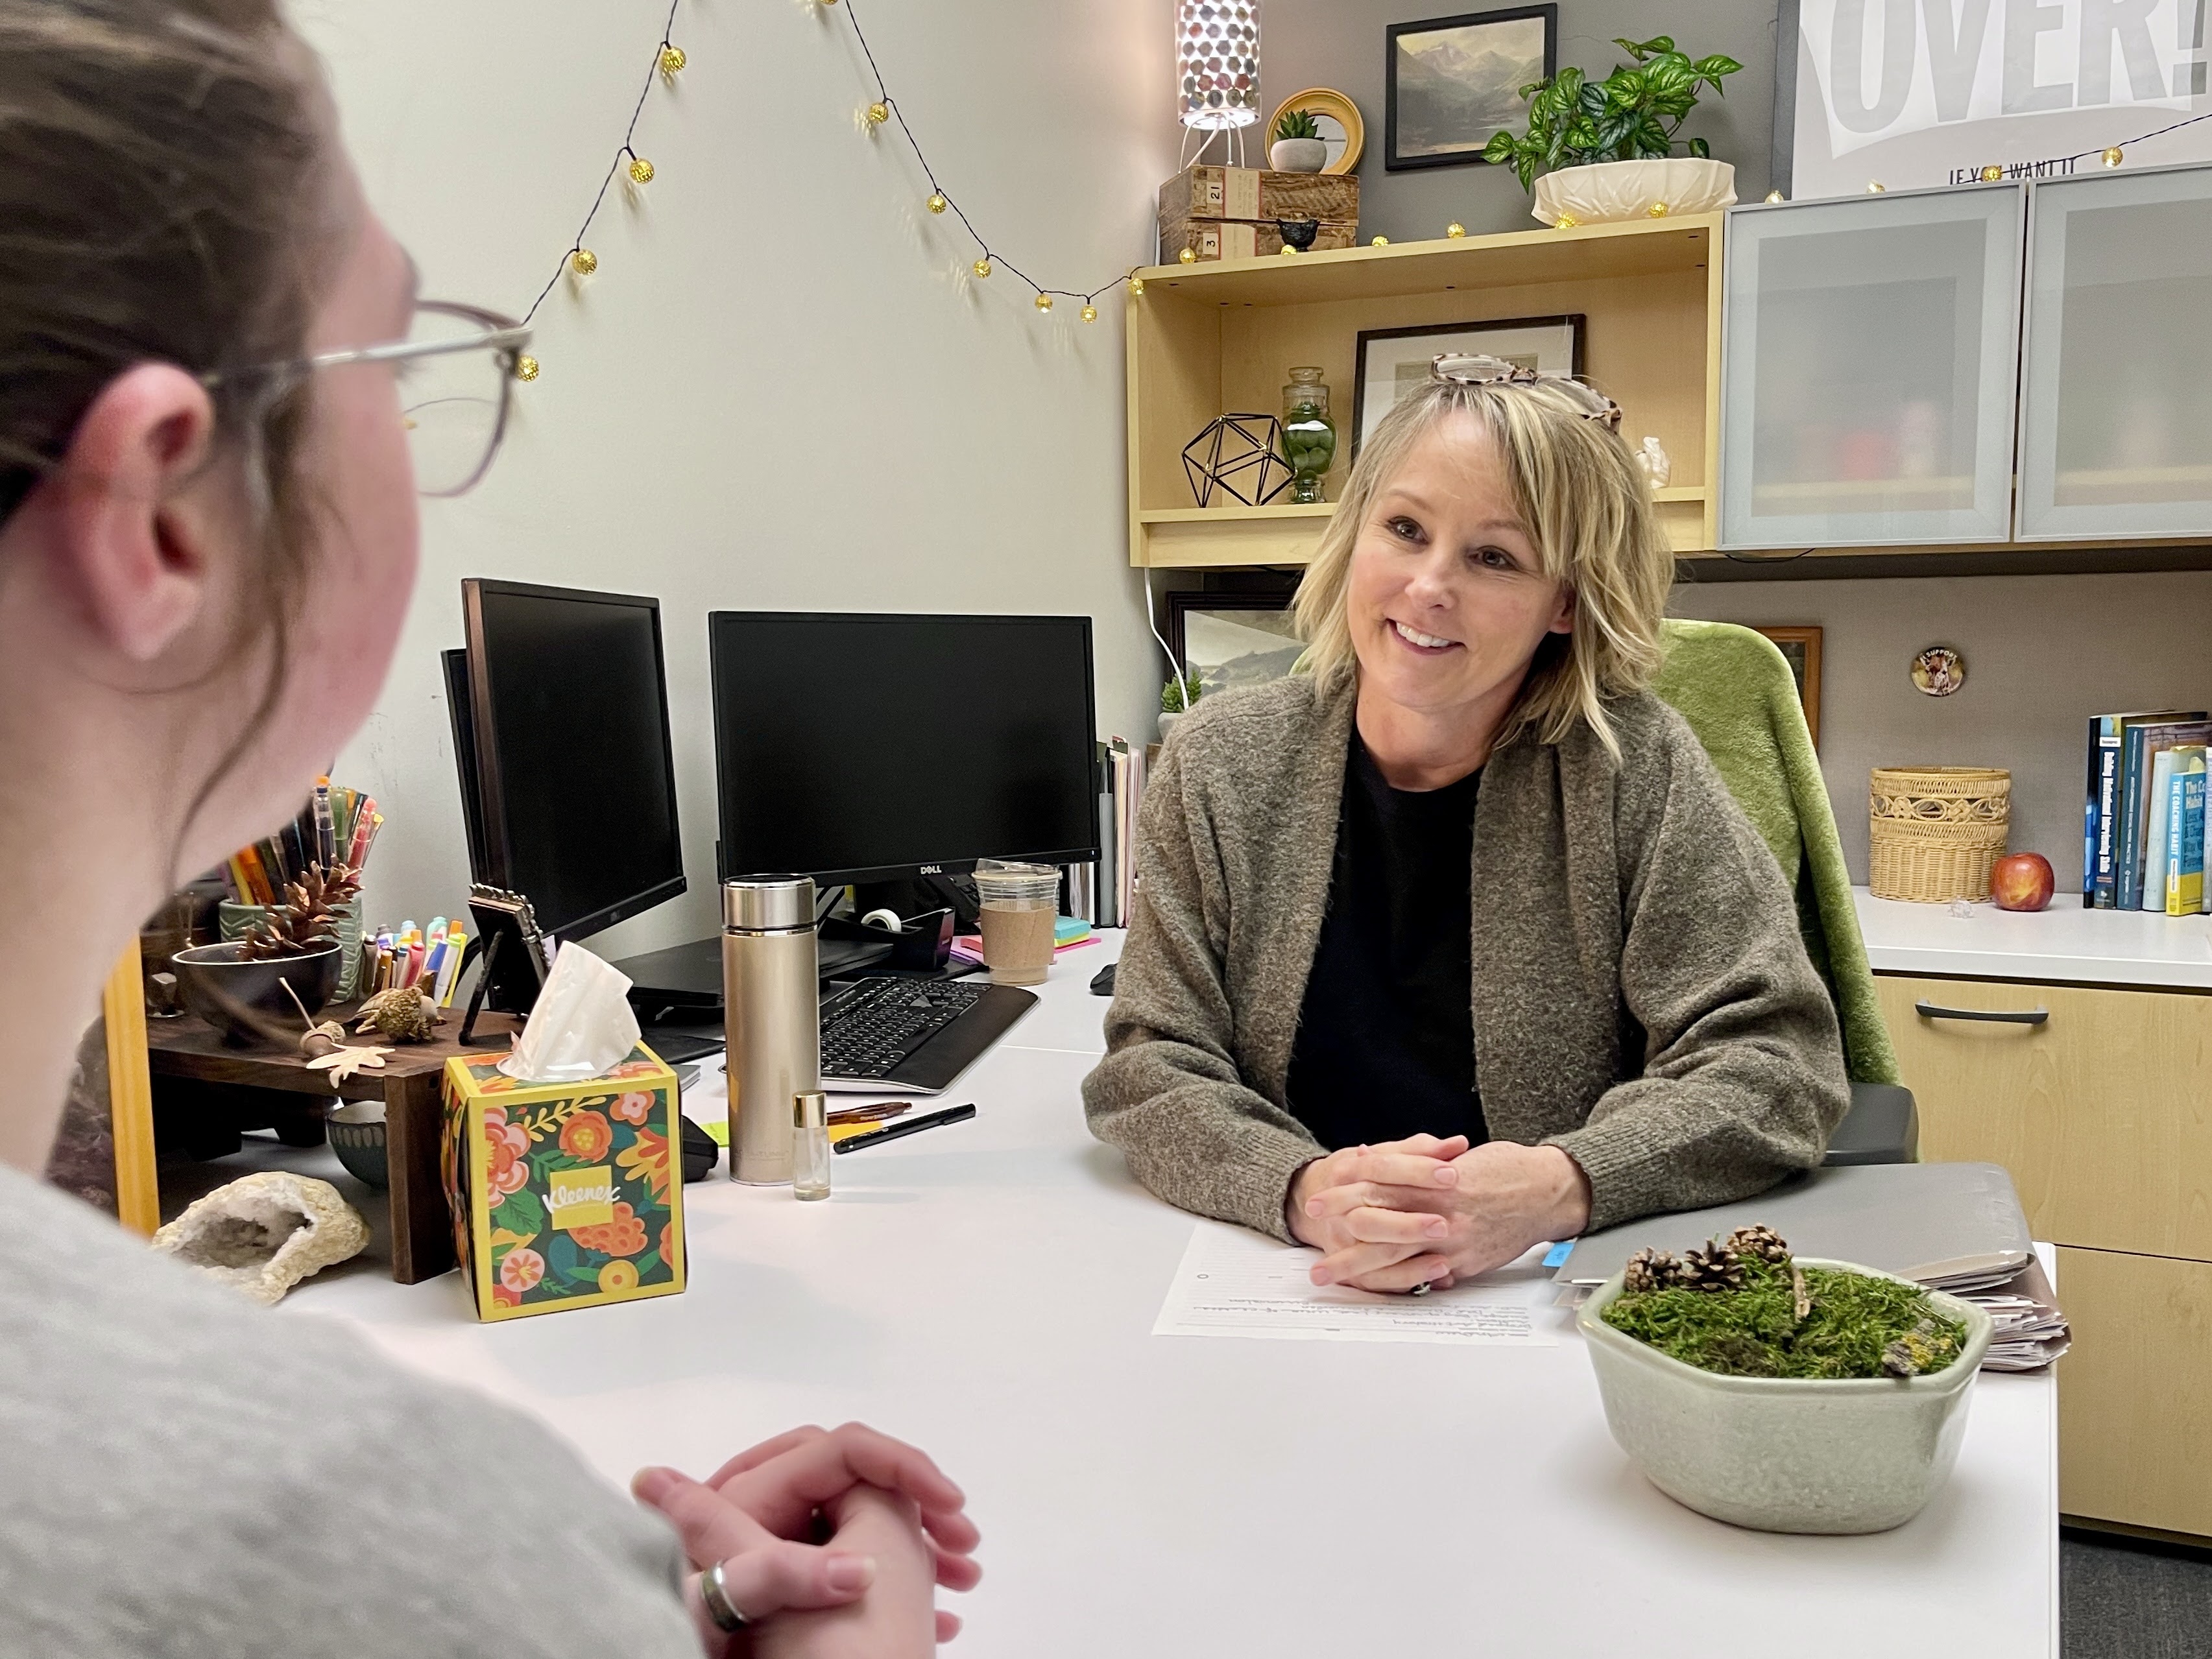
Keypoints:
(1640, 995)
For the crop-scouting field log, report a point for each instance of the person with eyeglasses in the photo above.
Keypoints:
(1454, 942)
(222, 389)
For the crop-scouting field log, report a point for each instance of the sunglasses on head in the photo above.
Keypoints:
(1460, 370)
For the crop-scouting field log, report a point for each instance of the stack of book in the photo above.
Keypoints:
(2142, 844)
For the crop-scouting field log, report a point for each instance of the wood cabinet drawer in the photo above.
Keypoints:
(2135, 1395)
(2102, 1112)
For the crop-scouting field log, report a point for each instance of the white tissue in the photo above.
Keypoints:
(582, 1027)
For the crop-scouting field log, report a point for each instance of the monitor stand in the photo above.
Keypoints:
(683, 983)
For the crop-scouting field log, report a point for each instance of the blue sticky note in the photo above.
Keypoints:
(1558, 1252)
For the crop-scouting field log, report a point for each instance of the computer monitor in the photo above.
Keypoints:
(870, 748)
(568, 774)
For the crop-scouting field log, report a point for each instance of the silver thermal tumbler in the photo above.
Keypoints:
(770, 1003)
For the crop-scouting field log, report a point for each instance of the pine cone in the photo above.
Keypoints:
(307, 922)
(1760, 1244)
(1715, 1268)
(1650, 1270)
(403, 1014)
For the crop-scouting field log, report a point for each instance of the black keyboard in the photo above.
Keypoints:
(868, 1029)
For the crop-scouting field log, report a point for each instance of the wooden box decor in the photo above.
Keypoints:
(1232, 213)
(564, 1195)
(1934, 831)
(1228, 238)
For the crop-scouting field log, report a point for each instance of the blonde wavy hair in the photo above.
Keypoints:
(1588, 507)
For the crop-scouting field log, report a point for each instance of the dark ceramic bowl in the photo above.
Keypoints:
(360, 1146)
(216, 985)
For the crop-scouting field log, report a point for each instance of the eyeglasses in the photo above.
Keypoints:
(1462, 370)
(456, 374)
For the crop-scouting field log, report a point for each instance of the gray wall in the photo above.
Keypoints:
(2043, 654)
(1338, 43)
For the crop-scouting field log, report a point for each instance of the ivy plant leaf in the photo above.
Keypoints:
(1594, 97)
(1500, 148)
(1625, 89)
(1582, 133)
(1651, 138)
(1615, 135)
(1640, 50)
(1712, 69)
(1525, 170)
(1701, 150)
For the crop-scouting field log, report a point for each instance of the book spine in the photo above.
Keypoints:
(2089, 818)
(2151, 888)
(2128, 841)
(2185, 879)
(2108, 798)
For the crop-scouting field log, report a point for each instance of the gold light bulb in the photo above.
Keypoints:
(1044, 302)
(673, 60)
(641, 170)
(1454, 229)
(981, 267)
(583, 262)
(1090, 313)
(525, 367)
(937, 202)
(878, 113)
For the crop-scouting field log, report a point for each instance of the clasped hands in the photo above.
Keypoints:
(1430, 1212)
(895, 1524)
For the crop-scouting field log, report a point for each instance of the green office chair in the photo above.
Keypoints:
(1736, 692)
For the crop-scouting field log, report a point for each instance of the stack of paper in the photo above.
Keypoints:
(2031, 1332)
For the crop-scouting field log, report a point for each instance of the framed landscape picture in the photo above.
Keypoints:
(1450, 82)
(1801, 648)
(1393, 361)
(1230, 639)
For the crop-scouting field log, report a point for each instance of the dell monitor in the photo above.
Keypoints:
(561, 732)
(872, 748)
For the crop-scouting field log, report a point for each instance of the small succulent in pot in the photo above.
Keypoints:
(1298, 146)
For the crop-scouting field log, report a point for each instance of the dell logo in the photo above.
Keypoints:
(932, 869)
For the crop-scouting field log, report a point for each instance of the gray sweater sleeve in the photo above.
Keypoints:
(1168, 1092)
(1743, 1075)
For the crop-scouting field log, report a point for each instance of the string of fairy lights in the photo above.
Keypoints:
(670, 60)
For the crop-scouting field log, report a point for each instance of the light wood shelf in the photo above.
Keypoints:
(1220, 336)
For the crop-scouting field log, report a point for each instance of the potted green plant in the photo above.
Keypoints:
(1177, 697)
(1298, 146)
(1606, 149)
(1781, 1392)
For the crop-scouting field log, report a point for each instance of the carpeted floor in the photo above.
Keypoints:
(2120, 1598)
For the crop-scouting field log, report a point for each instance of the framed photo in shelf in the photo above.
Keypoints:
(1393, 361)
(1800, 647)
(1450, 82)
(1230, 639)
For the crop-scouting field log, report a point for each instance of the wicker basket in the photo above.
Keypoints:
(1934, 831)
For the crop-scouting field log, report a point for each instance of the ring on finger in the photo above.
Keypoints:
(714, 1597)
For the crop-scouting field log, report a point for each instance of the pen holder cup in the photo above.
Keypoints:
(235, 920)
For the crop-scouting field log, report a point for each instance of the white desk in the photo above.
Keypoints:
(2062, 943)
(988, 1291)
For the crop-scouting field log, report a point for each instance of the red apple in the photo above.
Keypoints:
(2021, 881)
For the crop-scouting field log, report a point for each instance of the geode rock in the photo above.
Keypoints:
(265, 1233)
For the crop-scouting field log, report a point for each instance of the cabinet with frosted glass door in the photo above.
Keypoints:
(1869, 350)
(2116, 375)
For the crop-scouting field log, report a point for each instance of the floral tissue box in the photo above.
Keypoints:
(564, 1195)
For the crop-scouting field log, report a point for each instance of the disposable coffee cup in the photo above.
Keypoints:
(1021, 905)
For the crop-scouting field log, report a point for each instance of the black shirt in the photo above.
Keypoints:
(1385, 1047)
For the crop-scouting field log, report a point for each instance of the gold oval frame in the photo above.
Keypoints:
(1327, 100)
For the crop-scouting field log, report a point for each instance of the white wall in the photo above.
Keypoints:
(782, 389)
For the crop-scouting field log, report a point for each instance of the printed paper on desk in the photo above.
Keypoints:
(1235, 1283)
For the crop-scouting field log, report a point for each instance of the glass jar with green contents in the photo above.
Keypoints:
(1308, 435)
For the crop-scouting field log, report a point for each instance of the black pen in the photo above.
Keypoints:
(913, 1125)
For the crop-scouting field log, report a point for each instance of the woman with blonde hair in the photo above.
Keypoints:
(1454, 942)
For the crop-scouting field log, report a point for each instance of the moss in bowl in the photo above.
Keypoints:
(1830, 1398)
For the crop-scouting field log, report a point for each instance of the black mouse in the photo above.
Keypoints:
(1102, 983)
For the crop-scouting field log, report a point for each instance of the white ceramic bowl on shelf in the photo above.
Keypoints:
(1786, 1453)
(1607, 191)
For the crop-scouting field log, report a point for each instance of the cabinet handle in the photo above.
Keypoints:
(2018, 1017)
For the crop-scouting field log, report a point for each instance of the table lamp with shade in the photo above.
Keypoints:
(1218, 69)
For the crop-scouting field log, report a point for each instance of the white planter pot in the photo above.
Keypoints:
(1633, 189)
(1786, 1453)
(1167, 723)
(1297, 155)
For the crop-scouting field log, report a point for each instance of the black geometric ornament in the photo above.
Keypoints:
(1234, 455)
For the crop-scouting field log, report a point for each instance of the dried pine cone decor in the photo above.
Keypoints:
(308, 920)
(1715, 1268)
(1650, 1270)
(1759, 1245)
(404, 1014)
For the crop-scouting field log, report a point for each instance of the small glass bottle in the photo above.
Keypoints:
(1308, 435)
(810, 1144)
